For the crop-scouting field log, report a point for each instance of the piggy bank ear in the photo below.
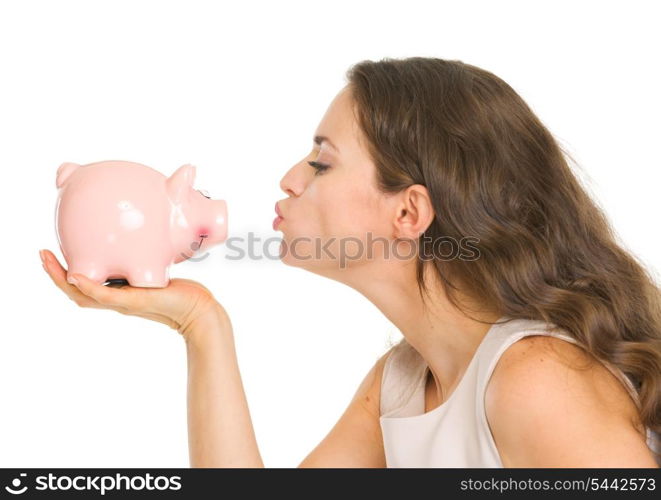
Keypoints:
(180, 182)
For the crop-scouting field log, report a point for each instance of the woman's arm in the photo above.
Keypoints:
(220, 430)
(219, 426)
(551, 404)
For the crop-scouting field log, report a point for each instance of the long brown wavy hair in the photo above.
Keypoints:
(494, 172)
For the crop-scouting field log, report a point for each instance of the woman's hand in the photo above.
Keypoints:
(220, 430)
(179, 305)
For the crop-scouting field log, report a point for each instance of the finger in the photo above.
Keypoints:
(123, 297)
(59, 276)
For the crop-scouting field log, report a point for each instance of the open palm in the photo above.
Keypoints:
(178, 305)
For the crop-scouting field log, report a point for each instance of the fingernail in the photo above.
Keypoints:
(43, 259)
(72, 280)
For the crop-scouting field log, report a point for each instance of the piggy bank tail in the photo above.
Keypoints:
(64, 172)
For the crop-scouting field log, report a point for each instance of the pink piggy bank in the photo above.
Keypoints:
(119, 219)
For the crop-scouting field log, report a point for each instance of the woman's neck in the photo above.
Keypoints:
(444, 336)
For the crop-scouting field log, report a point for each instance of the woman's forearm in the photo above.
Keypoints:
(220, 430)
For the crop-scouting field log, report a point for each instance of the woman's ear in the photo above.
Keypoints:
(414, 212)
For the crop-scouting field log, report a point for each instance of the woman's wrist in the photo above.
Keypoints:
(212, 323)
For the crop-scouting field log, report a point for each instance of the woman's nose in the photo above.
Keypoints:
(292, 183)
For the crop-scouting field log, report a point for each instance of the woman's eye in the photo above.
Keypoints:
(319, 167)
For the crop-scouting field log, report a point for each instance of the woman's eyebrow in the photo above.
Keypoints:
(318, 139)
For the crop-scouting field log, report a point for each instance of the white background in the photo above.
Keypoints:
(238, 88)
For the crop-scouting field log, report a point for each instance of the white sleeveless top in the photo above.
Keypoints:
(456, 433)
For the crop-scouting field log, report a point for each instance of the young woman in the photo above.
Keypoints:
(531, 338)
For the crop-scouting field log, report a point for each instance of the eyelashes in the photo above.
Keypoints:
(319, 167)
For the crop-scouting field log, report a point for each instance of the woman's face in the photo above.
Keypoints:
(329, 215)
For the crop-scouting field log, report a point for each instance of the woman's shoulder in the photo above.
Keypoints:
(546, 366)
(369, 390)
(547, 397)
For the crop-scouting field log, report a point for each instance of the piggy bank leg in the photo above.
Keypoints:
(149, 277)
(94, 273)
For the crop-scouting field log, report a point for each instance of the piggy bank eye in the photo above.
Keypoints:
(204, 193)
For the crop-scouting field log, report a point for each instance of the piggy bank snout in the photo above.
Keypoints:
(220, 220)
